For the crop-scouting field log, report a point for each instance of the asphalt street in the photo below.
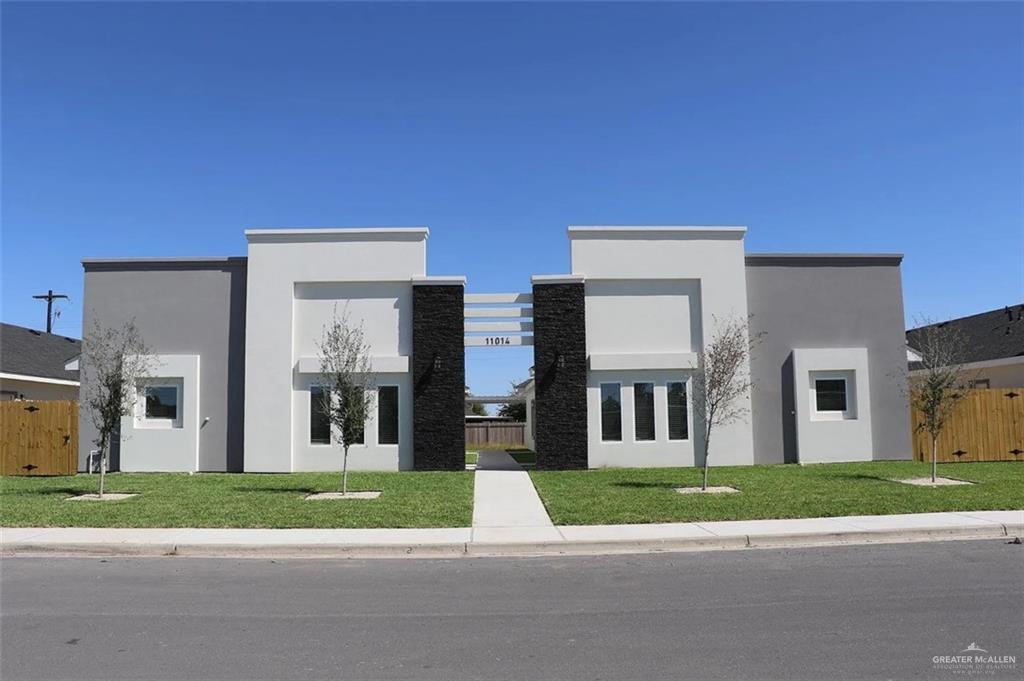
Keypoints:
(856, 612)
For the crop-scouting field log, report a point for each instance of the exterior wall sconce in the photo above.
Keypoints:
(560, 361)
(438, 363)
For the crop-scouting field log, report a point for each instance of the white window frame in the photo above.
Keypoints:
(686, 412)
(376, 413)
(849, 379)
(600, 409)
(143, 421)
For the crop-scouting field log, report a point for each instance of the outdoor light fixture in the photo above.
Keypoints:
(437, 363)
(560, 361)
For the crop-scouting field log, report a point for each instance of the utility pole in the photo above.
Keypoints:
(49, 298)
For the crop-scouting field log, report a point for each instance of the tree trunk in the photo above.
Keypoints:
(935, 456)
(344, 472)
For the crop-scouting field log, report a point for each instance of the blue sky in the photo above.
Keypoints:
(164, 129)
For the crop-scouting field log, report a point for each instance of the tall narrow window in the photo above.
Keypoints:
(678, 427)
(319, 421)
(387, 415)
(643, 410)
(358, 436)
(611, 413)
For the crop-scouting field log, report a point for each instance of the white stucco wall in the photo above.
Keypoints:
(820, 439)
(369, 456)
(165, 447)
(294, 279)
(529, 434)
(659, 452)
(653, 294)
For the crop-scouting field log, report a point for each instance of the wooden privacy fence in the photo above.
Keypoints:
(38, 438)
(988, 425)
(483, 435)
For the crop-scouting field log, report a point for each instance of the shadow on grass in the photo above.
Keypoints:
(280, 490)
(863, 476)
(647, 485)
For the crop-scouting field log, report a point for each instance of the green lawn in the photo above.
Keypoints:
(472, 458)
(409, 499)
(645, 495)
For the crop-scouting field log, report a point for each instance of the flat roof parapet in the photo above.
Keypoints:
(818, 259)
(658, 232)
(332, 234)
(184, 263)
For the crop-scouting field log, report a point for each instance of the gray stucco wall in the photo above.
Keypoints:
(826, 302)
(189, 306)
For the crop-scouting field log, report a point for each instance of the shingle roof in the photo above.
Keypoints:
(36, 353)
(995, 334)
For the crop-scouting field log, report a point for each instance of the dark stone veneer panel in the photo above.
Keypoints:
(560, 372)
(439, 378)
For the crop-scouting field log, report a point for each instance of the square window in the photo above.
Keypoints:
(643, 411)
(611, 413)
(161, 402)
(158, 403)
(830, 394)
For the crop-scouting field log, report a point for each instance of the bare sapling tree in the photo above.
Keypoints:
(348, 382)
(938, 379)
(114, 361)
(722, 379)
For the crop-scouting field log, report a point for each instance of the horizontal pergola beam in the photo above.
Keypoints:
(497, 298)
(498, 326)
(495, 399)
(484, 312)
(497, 341)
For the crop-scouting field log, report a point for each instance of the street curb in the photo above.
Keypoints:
(520, 549)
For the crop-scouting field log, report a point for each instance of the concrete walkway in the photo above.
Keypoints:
(519, 540)
(506, 507)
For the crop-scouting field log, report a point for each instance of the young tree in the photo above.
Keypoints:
(114, 360)
(722, 378)
(938, 380)
(348, 382)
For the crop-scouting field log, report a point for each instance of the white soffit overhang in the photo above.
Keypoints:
(378, 365)
(638, 361)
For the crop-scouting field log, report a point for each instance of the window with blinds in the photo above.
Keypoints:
(387, 415)
(611, 413)
(678, 425)
(643, 410)
(830, 394)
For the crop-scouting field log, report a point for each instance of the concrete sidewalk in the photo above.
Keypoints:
(523, 541)
(506, 506)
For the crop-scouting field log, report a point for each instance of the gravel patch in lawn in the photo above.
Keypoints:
(938, 482)
(320, 496)
(709, 490)
(107, 496)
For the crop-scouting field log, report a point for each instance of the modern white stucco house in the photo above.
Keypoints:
(615, 340)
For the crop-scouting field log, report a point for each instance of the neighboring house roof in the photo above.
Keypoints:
(27, 352)
(996, 334)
